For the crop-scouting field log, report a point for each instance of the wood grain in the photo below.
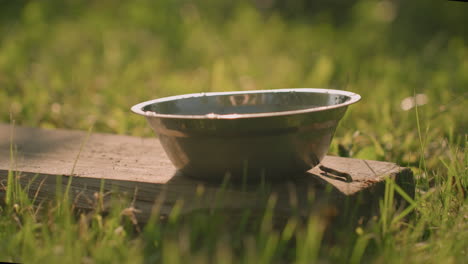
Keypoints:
(140, 168)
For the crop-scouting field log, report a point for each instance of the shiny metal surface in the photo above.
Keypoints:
(247, 135)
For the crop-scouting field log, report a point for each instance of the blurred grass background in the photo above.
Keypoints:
(77, 63)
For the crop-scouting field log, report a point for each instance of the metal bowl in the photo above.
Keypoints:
(247, 135)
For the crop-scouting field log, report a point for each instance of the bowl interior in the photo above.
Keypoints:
(245, 102)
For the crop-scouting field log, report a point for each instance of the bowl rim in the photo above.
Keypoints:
(138, 108)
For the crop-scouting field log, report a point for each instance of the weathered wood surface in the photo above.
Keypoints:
(139, 167)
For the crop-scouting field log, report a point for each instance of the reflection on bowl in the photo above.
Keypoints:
(247, 135)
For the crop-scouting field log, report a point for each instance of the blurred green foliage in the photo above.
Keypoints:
(76, 64)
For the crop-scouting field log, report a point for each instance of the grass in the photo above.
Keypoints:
(74, 64)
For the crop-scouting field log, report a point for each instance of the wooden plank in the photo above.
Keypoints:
(139, 166)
